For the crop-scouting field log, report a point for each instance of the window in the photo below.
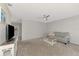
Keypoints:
(3, 16)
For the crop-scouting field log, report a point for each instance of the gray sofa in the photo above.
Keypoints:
(63, 37)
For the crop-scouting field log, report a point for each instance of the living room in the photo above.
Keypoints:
(44, 29)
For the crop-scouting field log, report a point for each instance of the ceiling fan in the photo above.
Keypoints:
(45, 18)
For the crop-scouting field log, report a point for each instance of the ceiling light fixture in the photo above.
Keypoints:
(45, 18)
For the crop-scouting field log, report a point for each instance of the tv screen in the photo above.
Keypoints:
(10, 32)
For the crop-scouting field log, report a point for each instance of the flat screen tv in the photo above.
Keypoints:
(10, 32)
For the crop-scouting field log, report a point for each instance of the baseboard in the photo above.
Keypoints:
(33, 39)
(74, 43)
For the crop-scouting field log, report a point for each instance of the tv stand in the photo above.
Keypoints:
(8, 48)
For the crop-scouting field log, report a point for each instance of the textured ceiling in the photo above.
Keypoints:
(35, 11)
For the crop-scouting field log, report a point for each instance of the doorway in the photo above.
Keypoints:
(18, 29)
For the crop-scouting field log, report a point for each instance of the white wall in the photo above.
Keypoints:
(2, 33)
(70, 25)
(33, 29)
(3, 25)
